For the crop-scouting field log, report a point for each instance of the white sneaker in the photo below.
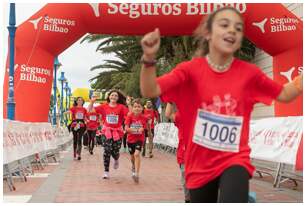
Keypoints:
(116, 164)
(106, 175)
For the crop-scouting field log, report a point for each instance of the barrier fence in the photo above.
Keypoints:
(274, 144)
(27, 145)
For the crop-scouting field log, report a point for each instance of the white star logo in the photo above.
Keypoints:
(288, 74)
(35, 22)
(95, 7)
(261, 25)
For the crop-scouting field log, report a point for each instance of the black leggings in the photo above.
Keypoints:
(91, 139)
(77, 140)
(111, 148)
(232, 186)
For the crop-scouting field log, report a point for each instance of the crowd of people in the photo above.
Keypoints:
(210, 99)
(121, 121)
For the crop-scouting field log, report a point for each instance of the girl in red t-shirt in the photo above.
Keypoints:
(92, 124)
(215, 94)
(135, 124)
(112, 113)
(78, 125)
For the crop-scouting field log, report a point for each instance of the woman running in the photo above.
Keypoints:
(220, 92)
(112, 113)
(78, 126)
(93, 121)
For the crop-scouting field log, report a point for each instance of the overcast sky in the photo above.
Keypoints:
(77, 69)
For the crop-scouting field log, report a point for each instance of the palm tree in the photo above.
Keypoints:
(123, 72)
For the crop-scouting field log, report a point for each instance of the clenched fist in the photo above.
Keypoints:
(150, 44)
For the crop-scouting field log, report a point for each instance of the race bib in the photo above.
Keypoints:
(135, 126)
(79, 115)
(93, 118)
(112, 119)
(218, 132)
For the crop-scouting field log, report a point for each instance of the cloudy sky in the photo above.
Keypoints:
(77, 70)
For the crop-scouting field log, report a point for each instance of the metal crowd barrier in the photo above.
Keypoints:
(280, 172)
(24, 167)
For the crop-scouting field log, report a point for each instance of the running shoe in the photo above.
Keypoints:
(106, 175)
(116, 164)
(135, 178)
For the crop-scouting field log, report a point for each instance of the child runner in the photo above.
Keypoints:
(112, 114)
(175, 117)
(152, 116)
(135, 124)
(78, 126)
(220, 92)
(93, 121)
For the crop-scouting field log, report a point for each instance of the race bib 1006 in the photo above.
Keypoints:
(218, 132)
(112, 119)
(79, 115)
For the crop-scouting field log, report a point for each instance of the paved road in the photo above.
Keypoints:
(81, 181)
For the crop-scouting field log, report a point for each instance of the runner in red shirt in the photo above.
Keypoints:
(152, 116)
(112, 113)
(215, 95)
(174, 116)
(93, 122)
(78, 125)
(135, 125)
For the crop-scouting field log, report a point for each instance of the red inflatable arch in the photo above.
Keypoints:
(57, 26)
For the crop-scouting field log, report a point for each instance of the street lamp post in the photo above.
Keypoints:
(66, 88)
(62, 79)
(12, 30)
(69, 96)
(57, 64)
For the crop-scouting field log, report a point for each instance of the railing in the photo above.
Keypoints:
(166, 139)
(19, 163)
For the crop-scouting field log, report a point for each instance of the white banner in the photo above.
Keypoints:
(276, 139)
(22, 139)
(273, 139)
(167, 134)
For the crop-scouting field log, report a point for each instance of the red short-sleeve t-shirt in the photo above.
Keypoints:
(93, 120)
(78, 113)
(194, 85)
(136, 122)
(151, 114)
(181, 147)
(112, 116)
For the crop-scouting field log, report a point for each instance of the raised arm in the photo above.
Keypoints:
(91, 103)
(291, 90)
(150, 44)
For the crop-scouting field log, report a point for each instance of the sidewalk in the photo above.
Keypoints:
(81, 181)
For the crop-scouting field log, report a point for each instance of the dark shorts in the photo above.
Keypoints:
(134, 146)
(146, 132)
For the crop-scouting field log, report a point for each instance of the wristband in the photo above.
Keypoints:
(148, 63)
(298, 84)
